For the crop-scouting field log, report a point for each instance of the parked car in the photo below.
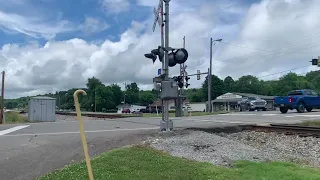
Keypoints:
(252, 104)
(144, 110)
(126, 111)
(300, 100)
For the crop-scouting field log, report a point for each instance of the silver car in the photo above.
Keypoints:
(252, 104)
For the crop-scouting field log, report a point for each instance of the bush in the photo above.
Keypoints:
(14, 117)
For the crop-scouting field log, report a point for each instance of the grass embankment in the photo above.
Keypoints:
(14, 117)
(193, 114)
(143, 163)
(315, 123)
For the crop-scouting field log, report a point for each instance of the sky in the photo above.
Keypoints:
(53, 45)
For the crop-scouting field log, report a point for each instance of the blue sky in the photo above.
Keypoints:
(75, 14)
(52, 12)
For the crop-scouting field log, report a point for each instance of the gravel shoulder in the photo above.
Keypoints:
(223, 149)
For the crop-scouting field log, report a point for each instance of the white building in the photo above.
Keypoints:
(132, 108)
(196, 107)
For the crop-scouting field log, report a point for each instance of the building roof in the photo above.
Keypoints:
(235, 98)
(43, 97)
(254, 95)
(123, 106)
(227, 100)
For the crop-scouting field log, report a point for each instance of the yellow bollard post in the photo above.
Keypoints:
(83, 137)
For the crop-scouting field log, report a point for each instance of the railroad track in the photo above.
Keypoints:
(100, 115)
(303, 131)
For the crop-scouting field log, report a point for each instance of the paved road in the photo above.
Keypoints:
(28, 151)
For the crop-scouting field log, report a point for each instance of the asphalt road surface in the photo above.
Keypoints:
(28, 151)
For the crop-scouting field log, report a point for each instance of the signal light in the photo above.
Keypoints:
(179, 79)
(177, 56)
(187, 79)
(314, 62)
(172, 62)
(181, 56)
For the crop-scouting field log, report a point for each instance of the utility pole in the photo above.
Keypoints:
(166, 123)
(210, 74)
(2, 98)
(162, 45)
(95, 99)
(209, 78)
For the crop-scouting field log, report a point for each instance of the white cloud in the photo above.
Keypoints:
(93, 25)
(273, 36)
(115, 6)
(33, 26)
(284, 32)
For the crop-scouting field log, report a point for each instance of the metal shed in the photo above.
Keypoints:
(42, 109)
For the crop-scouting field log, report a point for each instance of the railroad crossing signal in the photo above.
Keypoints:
(179, 80)
(157, 18)
(198, 74)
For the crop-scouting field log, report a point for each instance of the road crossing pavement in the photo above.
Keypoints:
(47, 146)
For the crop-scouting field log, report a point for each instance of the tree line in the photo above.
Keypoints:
(105, 98)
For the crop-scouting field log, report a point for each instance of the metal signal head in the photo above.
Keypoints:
(181, 56)
(314, 62)
(172, 62)
(151, 56)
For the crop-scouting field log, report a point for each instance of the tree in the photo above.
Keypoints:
(132, 93)
(117, 94)
(216, 87)
(146, 98)
(228, 83)
(248, 84)
(105, 98)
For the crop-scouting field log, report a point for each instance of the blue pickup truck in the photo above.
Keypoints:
(300, 100)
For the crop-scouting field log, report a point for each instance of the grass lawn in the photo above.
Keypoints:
(193, 114)
(14, 117)
(144, 163)
(311, 123)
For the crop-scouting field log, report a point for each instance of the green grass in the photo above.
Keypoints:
(14, 117)
(311, 123)
(172, 114)
(144, 163)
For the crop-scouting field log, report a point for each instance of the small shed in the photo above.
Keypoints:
(42, 109)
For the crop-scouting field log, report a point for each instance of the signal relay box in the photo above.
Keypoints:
(169, 89)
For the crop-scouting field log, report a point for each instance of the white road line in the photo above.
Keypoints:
(269, 114)
(7, 131)
(77, 132)
(306, 115)
(237, 114)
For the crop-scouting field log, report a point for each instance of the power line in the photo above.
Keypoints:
(266, 52)
(283, 71)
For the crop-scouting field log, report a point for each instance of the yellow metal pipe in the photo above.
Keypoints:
(83, 137)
